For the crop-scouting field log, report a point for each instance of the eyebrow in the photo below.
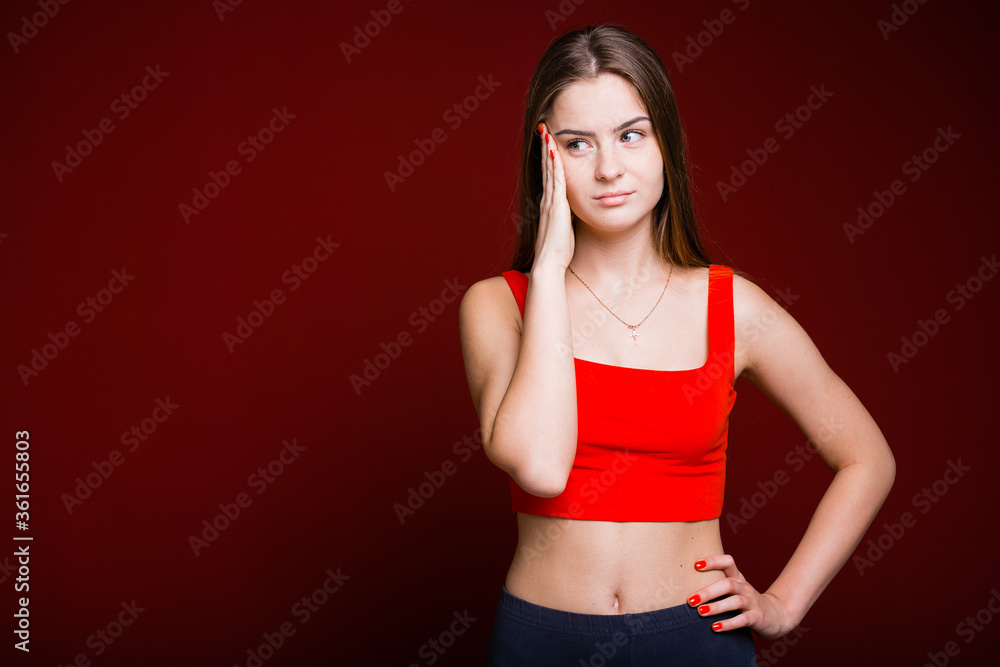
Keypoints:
(617, 129)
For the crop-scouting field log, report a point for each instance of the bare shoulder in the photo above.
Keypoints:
(770, 341)
(763, 330)
(489, 299)
(490, 331)
(751, 303)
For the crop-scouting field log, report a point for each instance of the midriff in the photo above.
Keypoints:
(611, 567)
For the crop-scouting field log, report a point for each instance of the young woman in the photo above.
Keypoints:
(602, 369)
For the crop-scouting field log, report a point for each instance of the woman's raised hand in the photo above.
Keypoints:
(555, 242)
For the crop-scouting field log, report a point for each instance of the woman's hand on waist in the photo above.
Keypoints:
(763, 613)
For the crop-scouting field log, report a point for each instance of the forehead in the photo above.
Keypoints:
(596, 104)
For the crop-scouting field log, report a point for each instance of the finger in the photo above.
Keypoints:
(716, 562)
(713, 590)
(723, 562)
(542, 156)
(559, 176)
(547, 184)
(734, 602)
(734, 623)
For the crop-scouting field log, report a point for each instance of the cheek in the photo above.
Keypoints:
(574, 181)
(660, 182)
(656, 179)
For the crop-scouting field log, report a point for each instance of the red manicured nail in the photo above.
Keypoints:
(546, 137)
(716, 626)
(539, 128)
(700, 565)
(552, 154)
(703, 609)
(694, 599)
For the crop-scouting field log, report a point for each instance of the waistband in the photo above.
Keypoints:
(639, 624)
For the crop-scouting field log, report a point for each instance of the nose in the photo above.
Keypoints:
(609, 165)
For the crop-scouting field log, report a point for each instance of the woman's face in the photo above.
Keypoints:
(607, 145)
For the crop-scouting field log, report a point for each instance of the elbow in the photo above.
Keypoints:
(882, 472)
(540, 474)
(890, 470)
(545, 479)
(886, 466)
(542, 481)
(546, 476)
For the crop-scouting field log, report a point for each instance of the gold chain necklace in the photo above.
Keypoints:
(631, 327)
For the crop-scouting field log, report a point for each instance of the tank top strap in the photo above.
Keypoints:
(721, 318)
(518, 283)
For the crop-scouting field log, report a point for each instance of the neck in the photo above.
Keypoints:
(607, 261)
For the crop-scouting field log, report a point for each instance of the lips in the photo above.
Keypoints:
(616, 198)
(616, 193)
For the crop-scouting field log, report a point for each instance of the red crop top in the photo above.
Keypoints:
(651, 444)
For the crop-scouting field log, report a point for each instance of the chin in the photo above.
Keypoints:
(617, 218)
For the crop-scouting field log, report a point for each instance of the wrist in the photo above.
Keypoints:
(793, 614)
(549, 269)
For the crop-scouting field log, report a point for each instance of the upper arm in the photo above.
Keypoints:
(490, 329)
(783, 362)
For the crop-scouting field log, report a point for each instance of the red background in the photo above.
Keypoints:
(323, 176)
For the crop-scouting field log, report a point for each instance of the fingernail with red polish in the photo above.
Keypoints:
(539, 128)
(694, 599)
(700, 565)
(716, 626)
(703, 609)
(552, 154)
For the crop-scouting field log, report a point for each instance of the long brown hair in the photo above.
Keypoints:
(583, 55)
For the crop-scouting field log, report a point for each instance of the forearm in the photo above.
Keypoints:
(841, 519)
(535, 429)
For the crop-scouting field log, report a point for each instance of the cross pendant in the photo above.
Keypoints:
(634, 334)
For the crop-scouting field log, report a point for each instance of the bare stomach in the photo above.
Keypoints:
(610, 567)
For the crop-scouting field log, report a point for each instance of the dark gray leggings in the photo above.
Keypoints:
(527, 634)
